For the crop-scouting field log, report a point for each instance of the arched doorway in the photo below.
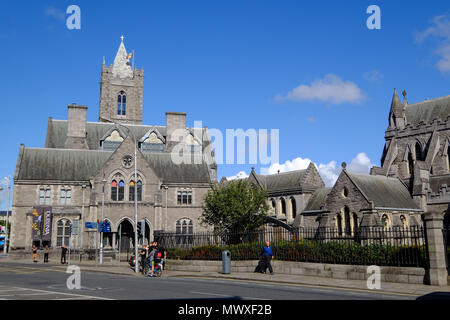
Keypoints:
(125, 231)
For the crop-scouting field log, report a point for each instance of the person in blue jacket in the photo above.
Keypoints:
(267, 254)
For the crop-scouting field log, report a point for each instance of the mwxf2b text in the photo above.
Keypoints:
(252, 309)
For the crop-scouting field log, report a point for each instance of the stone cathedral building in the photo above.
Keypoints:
(87, 168)
(414, 176)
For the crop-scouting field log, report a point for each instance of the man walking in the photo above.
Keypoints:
(63, 254)
(46, 251)
(267, 255)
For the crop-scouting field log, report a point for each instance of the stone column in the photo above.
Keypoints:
(114, 234)
(437, 273)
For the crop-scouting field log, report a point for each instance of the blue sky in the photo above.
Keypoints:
(227, 63)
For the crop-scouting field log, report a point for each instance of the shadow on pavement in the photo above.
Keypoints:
(435, 296)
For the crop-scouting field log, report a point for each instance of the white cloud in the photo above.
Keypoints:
(331, 89)
(374, 76)
(239, 175)
(296, 164)
(329, 172)
(4, 183)
(55, 13)
(439, 30)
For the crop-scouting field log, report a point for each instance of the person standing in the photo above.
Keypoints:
(267, 255)
(46, 251)
(63, 254)
(34, 250)
(143, 254)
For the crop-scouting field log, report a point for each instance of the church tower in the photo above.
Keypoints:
(121, 90)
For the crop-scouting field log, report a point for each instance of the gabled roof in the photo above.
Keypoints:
(428, 110)
(281, 181)
(308, 178)
(317, 200)
(385, 192)
(57, 132)
(60, 164)
(80, 165)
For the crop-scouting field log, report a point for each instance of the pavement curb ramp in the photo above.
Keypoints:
(310, 281)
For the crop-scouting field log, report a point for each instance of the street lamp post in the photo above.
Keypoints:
(7, 216)
(165, 211)
(136, 267)
(82, 219)
(101, 232)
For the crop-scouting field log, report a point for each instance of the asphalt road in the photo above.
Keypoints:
(18, 281)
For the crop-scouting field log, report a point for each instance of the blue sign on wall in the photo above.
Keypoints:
(90, 225)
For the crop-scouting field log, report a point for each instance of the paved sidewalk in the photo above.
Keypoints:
(125, 269)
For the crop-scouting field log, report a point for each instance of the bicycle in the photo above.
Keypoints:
(157, 271)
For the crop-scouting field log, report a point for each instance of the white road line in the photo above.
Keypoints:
(22, 294)
(6, 290)
(67, 294)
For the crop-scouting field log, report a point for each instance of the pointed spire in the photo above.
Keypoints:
(121, 67)
(395, 100)
(397, 114)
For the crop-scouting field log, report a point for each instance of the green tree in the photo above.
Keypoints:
(235, 206)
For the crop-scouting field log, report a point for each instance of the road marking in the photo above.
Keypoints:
(63, 293)
(22, 294)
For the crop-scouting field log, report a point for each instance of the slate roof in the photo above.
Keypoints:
(80, 165)
(281, 181)
(57, 132)
(428, 110)
(385, 192)
(317, 200)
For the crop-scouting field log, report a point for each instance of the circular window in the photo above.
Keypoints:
(127, 161)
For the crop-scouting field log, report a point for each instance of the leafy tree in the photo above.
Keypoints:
(235, 206)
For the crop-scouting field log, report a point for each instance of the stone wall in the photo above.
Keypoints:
(335, 271)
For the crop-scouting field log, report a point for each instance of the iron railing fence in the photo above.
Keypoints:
(395, 246)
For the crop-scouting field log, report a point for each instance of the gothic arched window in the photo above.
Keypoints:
(293, 207)
(121, 104)
(348, 227)
(339, 224)
(114, 190)
(121, 190)
(283, 206)
(139, 191)
(131, 191)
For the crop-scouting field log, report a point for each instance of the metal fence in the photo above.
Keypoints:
(366, 246)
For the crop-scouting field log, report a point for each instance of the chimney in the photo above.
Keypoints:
(76, 127)
(174, 121)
